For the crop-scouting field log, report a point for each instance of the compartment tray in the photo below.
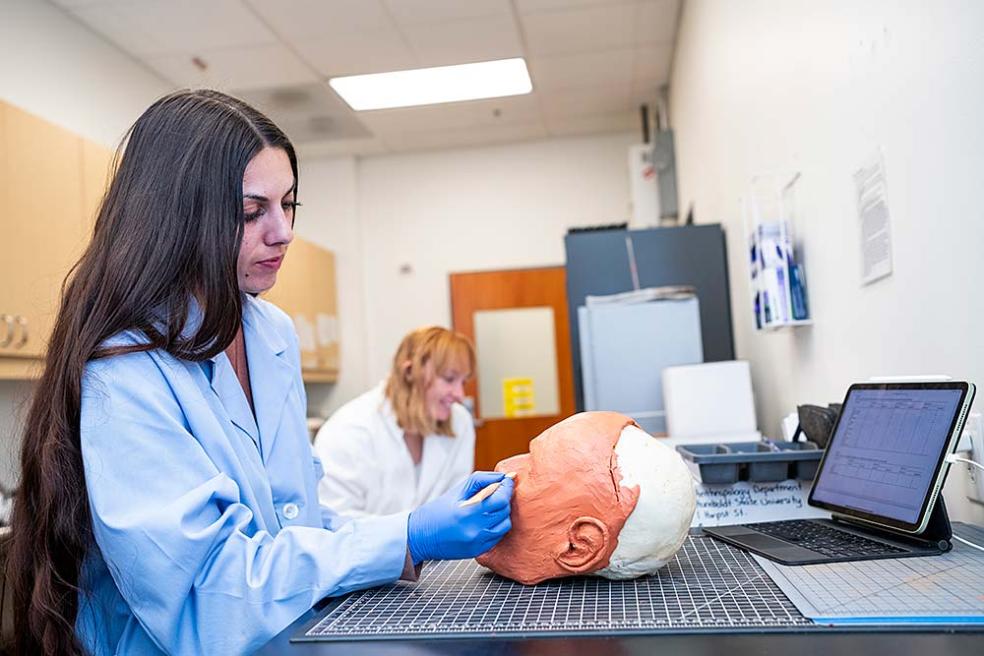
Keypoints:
(766, 460)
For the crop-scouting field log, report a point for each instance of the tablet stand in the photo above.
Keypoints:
(936, 535)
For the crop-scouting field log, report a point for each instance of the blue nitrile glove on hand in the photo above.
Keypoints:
(443, 530)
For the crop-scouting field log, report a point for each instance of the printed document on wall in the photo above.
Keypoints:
(875, 225)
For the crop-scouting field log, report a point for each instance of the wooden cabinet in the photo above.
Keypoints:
(305, 290)
(50, 181)
(97, 163)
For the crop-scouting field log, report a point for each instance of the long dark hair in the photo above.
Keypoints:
(168, 230)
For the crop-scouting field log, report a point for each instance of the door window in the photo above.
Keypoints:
(517, 362)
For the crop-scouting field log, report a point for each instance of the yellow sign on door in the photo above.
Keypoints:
(518, 399)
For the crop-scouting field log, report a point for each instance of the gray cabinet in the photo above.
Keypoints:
(598, 263)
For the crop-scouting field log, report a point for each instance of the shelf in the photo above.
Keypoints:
(776, 276)
(319, 375)
(786, 324)
(20, 368)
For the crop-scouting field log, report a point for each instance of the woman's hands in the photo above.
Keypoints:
(443, 529)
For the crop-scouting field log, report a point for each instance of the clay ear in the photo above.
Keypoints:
(587, 544)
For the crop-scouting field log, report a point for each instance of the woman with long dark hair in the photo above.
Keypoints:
(168, 495)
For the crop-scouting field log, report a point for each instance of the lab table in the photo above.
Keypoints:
(799, 639)
(812, 642)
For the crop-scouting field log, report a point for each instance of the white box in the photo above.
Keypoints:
(709, 400)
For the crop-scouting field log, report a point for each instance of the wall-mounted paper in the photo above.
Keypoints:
(875, 225)
(744, 502)
(518, 397)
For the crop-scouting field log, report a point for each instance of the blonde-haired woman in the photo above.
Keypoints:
(406, 441)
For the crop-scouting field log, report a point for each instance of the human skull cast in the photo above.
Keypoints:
(595, 495)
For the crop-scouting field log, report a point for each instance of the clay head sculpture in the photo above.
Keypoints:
(595, 495)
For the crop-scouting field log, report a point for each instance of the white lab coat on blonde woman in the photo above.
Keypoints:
(368, 468)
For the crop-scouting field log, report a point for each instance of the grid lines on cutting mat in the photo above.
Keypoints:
(709, 585)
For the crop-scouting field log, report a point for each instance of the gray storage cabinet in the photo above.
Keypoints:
(598, 264)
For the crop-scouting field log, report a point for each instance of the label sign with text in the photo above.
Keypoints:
(745, 502)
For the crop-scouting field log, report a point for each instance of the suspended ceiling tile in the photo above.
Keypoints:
(642, 93)
(651, 65)
(465, 41)
(496, 111)
(336, 148)
(532, 6)
(579, 30)
(465, 137)
(624, 121)
(75, 4)
(601, 68)
(657, 21)
(307, 112)
(576, 49)
(232, 68)
(356, 53)
(118, 26)
(296, 100)
(162, 27)
(304, 19)
(580, 101)
(438, 11)
(321, 127)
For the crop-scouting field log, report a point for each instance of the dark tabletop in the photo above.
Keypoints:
(814, 641)
(811, 641)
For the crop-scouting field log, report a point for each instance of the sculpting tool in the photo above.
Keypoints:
(485, 492)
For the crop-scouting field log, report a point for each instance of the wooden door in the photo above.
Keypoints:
(541, 289)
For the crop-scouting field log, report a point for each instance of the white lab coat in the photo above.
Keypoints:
(368, 468)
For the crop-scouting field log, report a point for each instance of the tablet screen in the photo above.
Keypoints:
(886, 449)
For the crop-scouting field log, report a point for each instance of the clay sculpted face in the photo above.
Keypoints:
(595, 495)
(569, 504)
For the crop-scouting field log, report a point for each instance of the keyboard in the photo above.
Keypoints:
(825, 539)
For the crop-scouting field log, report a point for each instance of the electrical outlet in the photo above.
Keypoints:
(974, 430)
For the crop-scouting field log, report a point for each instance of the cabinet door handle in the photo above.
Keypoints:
(8, 333)
(25, 335)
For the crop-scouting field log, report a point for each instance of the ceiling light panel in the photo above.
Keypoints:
(429, 86)
(476, 114)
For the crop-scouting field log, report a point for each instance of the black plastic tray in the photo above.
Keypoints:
(766, 460)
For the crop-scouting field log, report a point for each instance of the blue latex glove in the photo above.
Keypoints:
(442, 530)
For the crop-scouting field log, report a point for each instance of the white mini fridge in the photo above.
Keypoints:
(624, 348)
